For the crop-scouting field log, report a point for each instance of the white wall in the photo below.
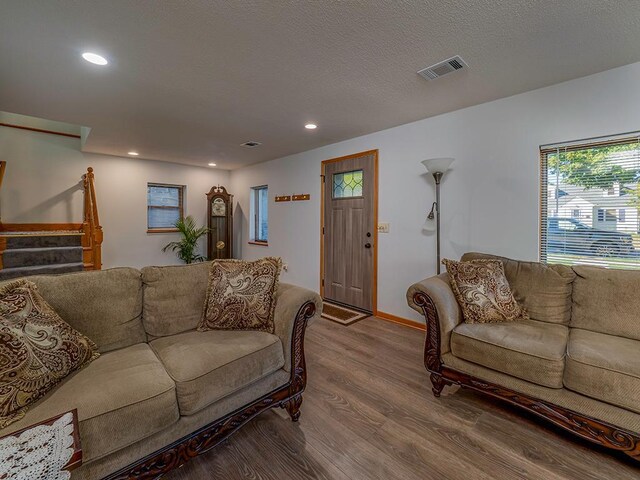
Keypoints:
(41, 185)
(490, 200)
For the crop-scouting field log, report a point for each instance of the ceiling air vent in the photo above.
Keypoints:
(250, 144)
(443, 68)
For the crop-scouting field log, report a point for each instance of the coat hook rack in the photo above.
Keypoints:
(302, 196)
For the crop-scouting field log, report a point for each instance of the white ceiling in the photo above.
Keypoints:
(189, 81)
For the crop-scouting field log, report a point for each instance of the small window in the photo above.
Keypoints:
(348, 184)
(575, 213)
(165, 206)
(259, 215)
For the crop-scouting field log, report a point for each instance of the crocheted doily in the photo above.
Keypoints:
(39, 453)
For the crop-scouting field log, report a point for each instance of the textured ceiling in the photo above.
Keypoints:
(191, 80)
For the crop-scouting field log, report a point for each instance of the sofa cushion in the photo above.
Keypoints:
(207, 366)
(105, 305)
(483, 292)
(606, 301)
(527, 349)
(121, 397)
(241, 295)
(37, 349)
(543, 290)
(174, 298)
(604, 367)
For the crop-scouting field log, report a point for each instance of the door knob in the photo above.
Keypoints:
(367, 245)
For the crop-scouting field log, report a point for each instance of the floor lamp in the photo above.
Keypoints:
(436, 167)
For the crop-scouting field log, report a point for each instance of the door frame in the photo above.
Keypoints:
(374, 280)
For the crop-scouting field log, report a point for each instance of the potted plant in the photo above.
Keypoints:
(186, 248)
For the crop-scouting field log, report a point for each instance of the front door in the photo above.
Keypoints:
(349, 230)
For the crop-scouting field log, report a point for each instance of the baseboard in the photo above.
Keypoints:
(401, 321)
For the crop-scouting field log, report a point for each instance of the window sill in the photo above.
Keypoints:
(162, 230)
(262, 244)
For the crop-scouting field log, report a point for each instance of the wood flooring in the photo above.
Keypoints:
(368, 413)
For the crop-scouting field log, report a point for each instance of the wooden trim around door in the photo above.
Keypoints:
(374, 299)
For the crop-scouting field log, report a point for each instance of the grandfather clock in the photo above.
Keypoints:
(220, 223)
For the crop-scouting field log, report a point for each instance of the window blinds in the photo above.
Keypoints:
(590, 202)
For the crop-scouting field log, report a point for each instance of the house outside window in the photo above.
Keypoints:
(596, 220)
(165, 206)
(259, 228)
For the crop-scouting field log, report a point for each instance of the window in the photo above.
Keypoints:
(165, 206)
(608, 215)
(259, 214)
(348, 184)
(599, 179)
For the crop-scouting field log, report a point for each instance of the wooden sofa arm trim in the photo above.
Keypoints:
(288, 396)
(432, 360)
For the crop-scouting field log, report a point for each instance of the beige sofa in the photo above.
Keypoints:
(162, 392)
(576, 362)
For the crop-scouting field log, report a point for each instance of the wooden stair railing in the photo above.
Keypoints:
(91, 230)
(93, 236)
(3, 167)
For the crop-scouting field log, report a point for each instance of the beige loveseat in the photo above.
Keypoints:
(158, 380)
(575, 362)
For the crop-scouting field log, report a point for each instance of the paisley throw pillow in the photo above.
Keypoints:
(37, 349)
(483, 292)
(241, 295)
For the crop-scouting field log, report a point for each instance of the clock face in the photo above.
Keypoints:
(218, 208)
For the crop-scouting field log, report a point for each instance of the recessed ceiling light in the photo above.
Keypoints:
(94, 58)
(212, 164)
(310, 126)
(134, 154)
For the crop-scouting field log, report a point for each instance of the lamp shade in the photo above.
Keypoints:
(437, 165)
(429, 225)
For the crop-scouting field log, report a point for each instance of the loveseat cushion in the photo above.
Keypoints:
(606, 300)
(527, 349)
(174, 297)
(104, 305)
(483, 292)
(122, 397)
(37, 349)
(241, 295)
(208, 366)
(543, 290)
(604, 367)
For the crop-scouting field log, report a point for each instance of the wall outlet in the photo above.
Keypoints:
(285, 267)
(383, 228)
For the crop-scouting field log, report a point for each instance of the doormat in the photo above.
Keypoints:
(340, 314)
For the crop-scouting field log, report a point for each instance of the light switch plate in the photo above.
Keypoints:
(383, 228)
